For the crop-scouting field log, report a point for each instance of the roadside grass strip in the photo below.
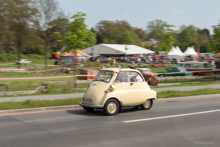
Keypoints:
(170, 93)
(38, 103)
(171, 116)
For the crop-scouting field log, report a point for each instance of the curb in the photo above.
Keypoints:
(78, 106)
(39, 109)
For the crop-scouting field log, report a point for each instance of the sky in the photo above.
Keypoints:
(200, 13)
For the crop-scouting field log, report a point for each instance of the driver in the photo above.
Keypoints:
(121, 77)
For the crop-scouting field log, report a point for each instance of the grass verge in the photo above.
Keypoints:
(170, 93)
(35, 104)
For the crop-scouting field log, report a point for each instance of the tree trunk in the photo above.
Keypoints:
(46, 55)
(75, 84)
(19, 52)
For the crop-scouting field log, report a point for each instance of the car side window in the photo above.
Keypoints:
(135, 77)
(176, 69)
(122, 77)
(170, 69)
(196, 65)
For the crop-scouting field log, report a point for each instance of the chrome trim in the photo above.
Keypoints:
(91, 106)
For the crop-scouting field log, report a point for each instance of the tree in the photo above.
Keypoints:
(187, 34)
(77, 36)
(168, 39)
(214, 45)
(18, 20)
(154, 29)
(49, 13)
(118, 32)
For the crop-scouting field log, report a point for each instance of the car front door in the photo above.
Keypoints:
(132, 89)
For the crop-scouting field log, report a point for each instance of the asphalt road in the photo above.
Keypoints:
(170, 123)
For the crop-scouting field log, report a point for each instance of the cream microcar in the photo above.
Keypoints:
(115, 88)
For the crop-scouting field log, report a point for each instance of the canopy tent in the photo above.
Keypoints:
(179, 51)
(116, 50)
(79, 56)
(174, 53)
(190, 52)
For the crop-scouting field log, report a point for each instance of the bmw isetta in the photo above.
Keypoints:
(115, 88)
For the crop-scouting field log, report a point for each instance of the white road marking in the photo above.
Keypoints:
(187, 114)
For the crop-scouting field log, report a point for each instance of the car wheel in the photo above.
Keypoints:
(196, 74)
(147, 105)
(111, 107)
(161, 75)
(88, 109)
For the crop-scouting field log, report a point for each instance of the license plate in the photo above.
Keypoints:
(87, 100)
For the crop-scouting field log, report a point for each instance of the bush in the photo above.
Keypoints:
(11, 57)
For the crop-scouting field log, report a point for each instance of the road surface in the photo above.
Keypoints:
(170, 123)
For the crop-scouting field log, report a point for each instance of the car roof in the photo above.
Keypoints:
(143, 68)
(120, 69)
(176, 67)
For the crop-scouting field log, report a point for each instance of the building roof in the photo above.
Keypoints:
(117, 49)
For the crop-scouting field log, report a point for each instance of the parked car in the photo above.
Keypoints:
(145, 71)
(87, 74)
(174, 71)
(197, 68)
(115, 88)
(23, 61)
(157, 63)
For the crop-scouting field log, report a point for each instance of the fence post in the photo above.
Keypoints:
(35, 70)
(27, 68)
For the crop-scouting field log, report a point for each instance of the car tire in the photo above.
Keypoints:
(88, 109)
(196, 74)
(147, 105)
(111, 107)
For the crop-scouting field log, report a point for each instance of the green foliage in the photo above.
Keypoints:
(77, 35)
(214, 42)
(168, 39)
(118, 32)
(5, 57)
(187, 34)
(154, 29)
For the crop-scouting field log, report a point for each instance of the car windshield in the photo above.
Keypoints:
(146, 71)
(104, 76)
(182, 70)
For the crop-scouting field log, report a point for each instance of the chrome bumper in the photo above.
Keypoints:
(91, 106)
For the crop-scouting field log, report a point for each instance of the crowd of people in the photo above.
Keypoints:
(215, 62)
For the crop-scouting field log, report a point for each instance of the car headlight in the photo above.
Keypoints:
(111, 88)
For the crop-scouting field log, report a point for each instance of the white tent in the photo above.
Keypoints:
(190, 52)
(116, 49)
(174, 53)
(179, 51)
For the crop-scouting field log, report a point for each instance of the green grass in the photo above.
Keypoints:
(38, 103)
(170, 93)
(191, 84)
(31, 84)
(52, 93)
